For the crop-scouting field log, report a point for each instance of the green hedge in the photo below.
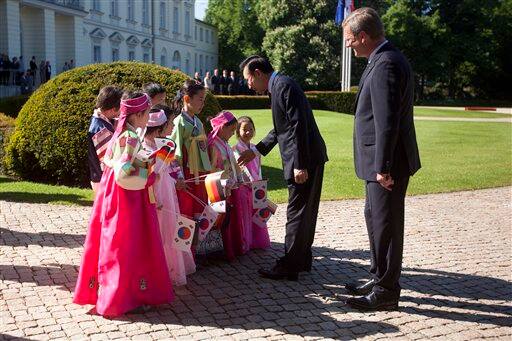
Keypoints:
(6, 128)
(49, 143)
(11, 106)
(321, 100)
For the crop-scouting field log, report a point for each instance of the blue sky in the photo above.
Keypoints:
(201, 8)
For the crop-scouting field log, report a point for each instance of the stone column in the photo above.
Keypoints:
(10, 39)
(49, 39)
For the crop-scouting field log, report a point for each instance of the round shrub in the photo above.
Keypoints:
(49, 143)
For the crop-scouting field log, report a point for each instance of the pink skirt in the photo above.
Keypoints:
(123, 265)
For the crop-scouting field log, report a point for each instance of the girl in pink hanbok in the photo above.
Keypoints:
(180, 263)
(252, 171)
(236, 232)
(123, 265)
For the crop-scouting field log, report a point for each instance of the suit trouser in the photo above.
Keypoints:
(384, 214)
(301, 214)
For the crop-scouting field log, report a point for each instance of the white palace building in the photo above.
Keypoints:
(98, 31)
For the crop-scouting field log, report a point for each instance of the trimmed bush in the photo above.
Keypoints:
(243, 102)
(49, 143)
(6, 129)
(11, 106)
(342, 102)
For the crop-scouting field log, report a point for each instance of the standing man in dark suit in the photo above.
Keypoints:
(303, 154)
(385, 154)
(216, 82)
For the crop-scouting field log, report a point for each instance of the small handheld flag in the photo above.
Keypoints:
(206, 221)
(184, 232)
(259, 193)
(215, 184)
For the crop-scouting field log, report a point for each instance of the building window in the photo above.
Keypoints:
(115, 54)
(176, 23)
(187, 23)
(131, 55)
(114, 8)
(187, 66)
(201, 34)
(162, 15)
(212, 63)
(131, 10)
(163, 60)
(96, 5)
(195, 33)
(145, 57)
(96, 55)
(201, 65)
(207, 36)
(195, 62)
(145, 12)
(176, 60)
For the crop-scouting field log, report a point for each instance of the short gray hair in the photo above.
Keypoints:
(365, 19)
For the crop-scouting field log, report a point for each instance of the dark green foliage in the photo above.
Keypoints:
(11, 106)
(243, 102)
(239, 31)
(49, 143)
(6, 129)
(342, 102)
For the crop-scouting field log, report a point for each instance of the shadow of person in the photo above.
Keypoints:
(44, 198)
(441, 294)
(231, 296)
(16, 238)
(61, 275)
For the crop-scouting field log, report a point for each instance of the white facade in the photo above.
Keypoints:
(89, 31)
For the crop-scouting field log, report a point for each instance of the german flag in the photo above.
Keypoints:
(215, 187)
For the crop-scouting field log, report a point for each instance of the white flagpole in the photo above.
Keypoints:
(343, 63)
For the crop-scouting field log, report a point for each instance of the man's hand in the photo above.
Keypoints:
(246, 157)
(385, 181)
(301, 175)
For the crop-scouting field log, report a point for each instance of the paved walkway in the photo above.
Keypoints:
(498, 110)
(464, 119)
(456, 279)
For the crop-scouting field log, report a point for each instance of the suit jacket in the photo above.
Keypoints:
(295, 129)
(384, 134)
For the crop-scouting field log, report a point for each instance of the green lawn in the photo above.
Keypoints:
(455, 156)
(457, 113)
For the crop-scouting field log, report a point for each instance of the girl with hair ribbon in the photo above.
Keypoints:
(123, 265)
(180, 263)
(236, 229)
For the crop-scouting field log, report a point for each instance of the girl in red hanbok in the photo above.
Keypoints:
(123, 265)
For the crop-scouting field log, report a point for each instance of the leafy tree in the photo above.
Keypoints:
(240, 33)
(302, 40)
(418, 33)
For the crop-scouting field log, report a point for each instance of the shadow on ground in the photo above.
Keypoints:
(232, 295)
(45, 198)
(16, 238)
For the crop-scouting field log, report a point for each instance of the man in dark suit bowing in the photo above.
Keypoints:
(303, 154)
(385, 154)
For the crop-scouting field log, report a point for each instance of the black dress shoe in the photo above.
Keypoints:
(372, 302)
(279, 272)
(358, 289)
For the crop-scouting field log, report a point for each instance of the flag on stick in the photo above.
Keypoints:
(206, 221)
(184, 232)
(215, 184)
(259, 193)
